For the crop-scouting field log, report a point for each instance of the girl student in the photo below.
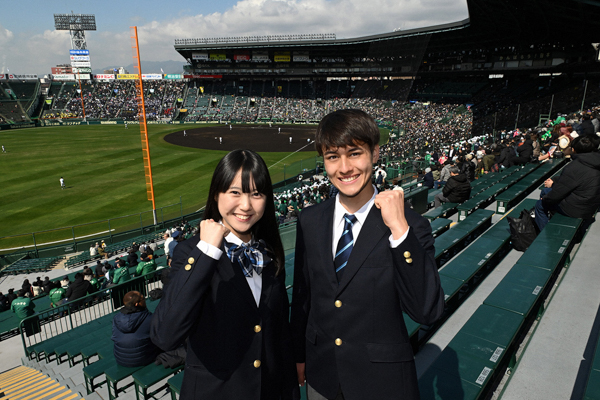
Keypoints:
(226, 293)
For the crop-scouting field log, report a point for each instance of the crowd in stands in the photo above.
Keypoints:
(105, 100)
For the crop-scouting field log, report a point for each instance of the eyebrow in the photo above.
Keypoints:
(349, 149)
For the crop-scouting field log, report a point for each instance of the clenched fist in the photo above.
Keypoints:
(391, 204)
(212, 232)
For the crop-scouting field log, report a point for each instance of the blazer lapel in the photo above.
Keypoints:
(231, 272)
(370, 234)
(268, 281)
(325, 251)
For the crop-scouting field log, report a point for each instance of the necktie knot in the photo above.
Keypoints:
(247, 256)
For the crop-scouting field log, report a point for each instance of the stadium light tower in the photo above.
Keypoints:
(77, 24)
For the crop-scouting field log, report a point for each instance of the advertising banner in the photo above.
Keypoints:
(203, 76)
(199, 56)
(2, 76)
(173, 76)
(79, 52)
(301, 56)
(84, 70)
(127, 76)
(80, 58)
(81, 64)
(260, 56)
(241, 56)
(282, 56)
(63, 77)
(83, 76)
(151, 76)
(104, 76)
(19, 76)
(217, 56)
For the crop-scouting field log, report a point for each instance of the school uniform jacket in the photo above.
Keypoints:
(352, 334)
(235, 349)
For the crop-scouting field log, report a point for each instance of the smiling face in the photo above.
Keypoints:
(240, 211)
(349, 169)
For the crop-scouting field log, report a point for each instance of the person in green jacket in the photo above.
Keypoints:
(22, 306)
(146, 266)
(121, 274)
(56, 295)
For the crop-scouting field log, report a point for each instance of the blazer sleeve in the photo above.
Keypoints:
(418, 281)
(300, 296)
(180, 305)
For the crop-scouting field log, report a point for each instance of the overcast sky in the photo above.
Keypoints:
(30, 45)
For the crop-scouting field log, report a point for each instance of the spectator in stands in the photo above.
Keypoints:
(467, 167)
(132, 258)
(524, 153)
(10, 296)
(93, 251)
(146, 266)
(576, 192)
(80, 287)
(47, 285)
(26, 286)
(58, 294)
(152, 246)
(456, 190)
(444, 175)
(3, 302)
(175, 239)
(99, 269)
(120, 274)
(168, 239)
(88, 275)
(587, 125)
(131, 333)
(22, 305)
(428, 178)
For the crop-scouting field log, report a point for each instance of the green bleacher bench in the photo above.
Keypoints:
(439, 226)
(455, 239)
(175, 385)
(445, 210)
(115, 374)
(418, 199)
(474, 357)
(149, 376)
(480, 200)
(95, 370)
(522, 290)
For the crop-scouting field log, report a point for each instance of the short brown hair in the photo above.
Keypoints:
(132, 298)
(344, 128)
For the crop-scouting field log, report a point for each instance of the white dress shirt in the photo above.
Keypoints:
(254, 281)
(361, 216)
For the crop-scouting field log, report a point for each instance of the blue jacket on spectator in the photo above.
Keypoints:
(131, 334)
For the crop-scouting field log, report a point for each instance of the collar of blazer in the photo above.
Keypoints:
(371, 233)
(232, 272)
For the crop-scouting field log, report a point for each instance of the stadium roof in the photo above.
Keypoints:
(491, 24)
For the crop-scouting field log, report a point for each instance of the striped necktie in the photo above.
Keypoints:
(344, 247)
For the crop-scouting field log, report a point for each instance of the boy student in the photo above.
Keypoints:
(362, 258)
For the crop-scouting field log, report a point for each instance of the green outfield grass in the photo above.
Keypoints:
(103, 171)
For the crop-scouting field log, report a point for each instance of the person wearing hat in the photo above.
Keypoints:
(146, 266)
(428, 178)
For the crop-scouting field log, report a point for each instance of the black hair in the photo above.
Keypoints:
(344, 128)
(253, 168)
(583, 144)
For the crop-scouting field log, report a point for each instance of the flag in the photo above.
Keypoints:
(161, 71)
